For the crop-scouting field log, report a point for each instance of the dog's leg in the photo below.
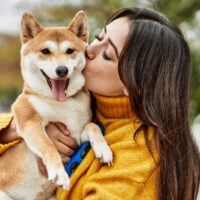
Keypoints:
(33, 132)
(101, 149)
(4, 196)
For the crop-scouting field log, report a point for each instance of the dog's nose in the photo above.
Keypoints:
(61, 71)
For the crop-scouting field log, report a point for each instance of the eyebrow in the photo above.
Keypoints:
(112, 44)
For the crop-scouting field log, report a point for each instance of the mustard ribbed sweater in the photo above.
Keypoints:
(5, 119)
(134, 173)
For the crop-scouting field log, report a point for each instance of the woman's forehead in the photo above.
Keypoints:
(118, 31)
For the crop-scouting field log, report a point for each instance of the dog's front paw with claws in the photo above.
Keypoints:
(103, 152)
(59, 177)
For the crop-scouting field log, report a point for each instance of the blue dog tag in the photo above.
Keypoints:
(78, 157)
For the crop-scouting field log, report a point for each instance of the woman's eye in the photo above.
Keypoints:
(105, 56)
(70, 51)
(104, 53)
(98, 38)
(45, 51)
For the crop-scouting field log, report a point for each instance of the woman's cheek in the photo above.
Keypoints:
(92, 67)
(88, 71)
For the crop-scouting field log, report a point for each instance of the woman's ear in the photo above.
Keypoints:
(126, 92)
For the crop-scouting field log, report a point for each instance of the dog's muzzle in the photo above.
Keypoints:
(58, 86)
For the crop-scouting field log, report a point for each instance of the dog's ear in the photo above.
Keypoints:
(29, 27)
(79, 26)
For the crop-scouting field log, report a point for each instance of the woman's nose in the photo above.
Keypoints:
(90, 52)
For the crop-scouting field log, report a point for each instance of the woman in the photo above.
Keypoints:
(139, 71)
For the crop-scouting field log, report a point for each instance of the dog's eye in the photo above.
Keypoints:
(45, 51)
(70, 51)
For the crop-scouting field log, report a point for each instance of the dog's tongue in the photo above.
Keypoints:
(58, 89)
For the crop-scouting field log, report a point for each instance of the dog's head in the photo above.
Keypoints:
(52, 58)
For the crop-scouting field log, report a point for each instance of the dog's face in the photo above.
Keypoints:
(52, 58)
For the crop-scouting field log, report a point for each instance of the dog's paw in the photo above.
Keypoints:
(59, 177)
(103, 152)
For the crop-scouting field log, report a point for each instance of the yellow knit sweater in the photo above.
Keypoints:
(134, 173)
(5, 119)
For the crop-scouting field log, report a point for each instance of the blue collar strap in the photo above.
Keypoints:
(78, 157)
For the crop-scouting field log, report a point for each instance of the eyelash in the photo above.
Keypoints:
(105, 56)
(103, 53)
(98, 38)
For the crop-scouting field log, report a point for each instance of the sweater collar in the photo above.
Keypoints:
(114, 107)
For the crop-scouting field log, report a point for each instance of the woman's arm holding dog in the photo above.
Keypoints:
(57, 132)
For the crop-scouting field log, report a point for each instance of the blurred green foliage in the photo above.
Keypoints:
(181, 12)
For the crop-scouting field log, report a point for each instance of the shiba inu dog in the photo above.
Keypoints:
(52, 60)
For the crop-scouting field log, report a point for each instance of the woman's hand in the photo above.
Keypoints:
(9, 134)
(65, 145)
(60, 136)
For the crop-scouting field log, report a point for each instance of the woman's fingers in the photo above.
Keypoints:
(55, 132)
(64, 149)
(67, 140)
(62, 128)
(9, 134)
(52, 131)
(63, 142)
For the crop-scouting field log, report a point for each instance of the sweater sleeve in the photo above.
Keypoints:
(133, 176)
(5, 120)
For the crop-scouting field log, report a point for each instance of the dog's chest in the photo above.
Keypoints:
(74, 110)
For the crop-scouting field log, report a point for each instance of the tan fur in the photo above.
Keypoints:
(53, 34)
(20, 177)
(95, 130)
(27, 35)
(77, 31)
(7, 169)
(13, 173)
(30, 125)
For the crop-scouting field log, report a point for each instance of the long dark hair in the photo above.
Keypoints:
(155, 67)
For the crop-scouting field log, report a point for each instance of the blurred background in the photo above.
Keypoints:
(184, 13)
